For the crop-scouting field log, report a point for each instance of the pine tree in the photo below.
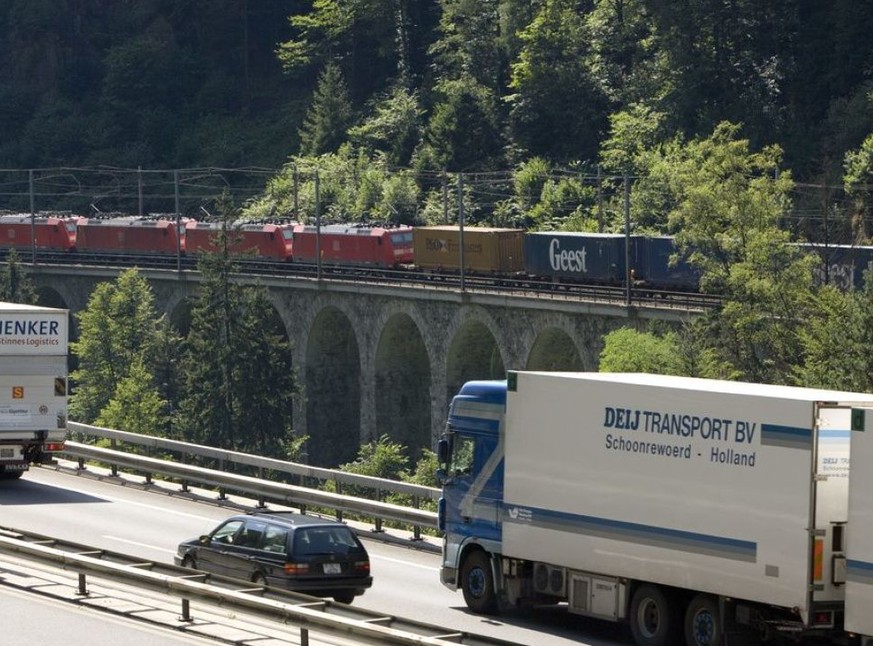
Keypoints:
(329, 115)
(15, 284)
(238, 382)
(119, 331)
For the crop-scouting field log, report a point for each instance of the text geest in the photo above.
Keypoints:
(567, 260)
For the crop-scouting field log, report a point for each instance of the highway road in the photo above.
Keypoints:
(30, 620)
(150, 525)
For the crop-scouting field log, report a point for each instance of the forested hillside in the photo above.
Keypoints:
(456, 85)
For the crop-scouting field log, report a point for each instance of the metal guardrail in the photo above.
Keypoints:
(224, 458)
(262, 490)
(290, 608)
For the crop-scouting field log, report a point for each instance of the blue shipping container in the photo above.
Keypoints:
(581, 257)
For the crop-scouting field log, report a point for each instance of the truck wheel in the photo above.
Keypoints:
(478, 584)
(703, 622)
(651, 617)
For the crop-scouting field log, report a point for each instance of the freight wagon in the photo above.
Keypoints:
(597, 258)
(486, 249)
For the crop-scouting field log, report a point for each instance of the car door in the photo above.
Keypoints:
(216, 554)
(241, 557)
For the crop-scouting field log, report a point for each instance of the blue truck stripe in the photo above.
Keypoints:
(729, 548)
(792, 437)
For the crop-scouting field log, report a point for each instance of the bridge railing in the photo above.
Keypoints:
(265, 479)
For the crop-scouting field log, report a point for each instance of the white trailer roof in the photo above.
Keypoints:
(716, 385)
(20, 307)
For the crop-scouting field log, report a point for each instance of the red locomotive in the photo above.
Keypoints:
(260, 240)
(347, 244)
(131, 234)
(54, 232)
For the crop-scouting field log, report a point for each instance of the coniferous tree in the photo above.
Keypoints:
(329, 116)
(15, 284)
(119, 331)
(238, 378)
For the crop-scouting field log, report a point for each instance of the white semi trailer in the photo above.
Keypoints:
(33, 385)
(697, 511)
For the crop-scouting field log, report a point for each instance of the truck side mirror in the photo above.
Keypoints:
(443, 451)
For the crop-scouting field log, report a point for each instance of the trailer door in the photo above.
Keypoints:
(831, 509)
(859, 542)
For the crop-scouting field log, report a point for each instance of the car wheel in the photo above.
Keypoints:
(189, 562)
(259, 579)
(344, 597)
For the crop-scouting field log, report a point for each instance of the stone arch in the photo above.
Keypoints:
(555, 349)
(332, 387)
(474, 350)
(402, 375)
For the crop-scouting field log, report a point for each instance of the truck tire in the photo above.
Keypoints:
(652, 617)
(703, 622)
(478, 584)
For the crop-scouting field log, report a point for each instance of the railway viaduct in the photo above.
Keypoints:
(378, 359)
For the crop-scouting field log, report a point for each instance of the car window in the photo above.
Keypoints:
(252, 534)
(226, 533)
(323, 540)
(275, 539)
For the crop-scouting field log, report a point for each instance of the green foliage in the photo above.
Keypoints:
(628, 350)
(380, 458)
(353, 186)
(425, 470)
(15, 283)
(557, 109)
(858, 178)
(393, 128)
(118, 330)
(136, 405)
(729, 203)
(329, 116)
(547, 199)
(837, 340)
(463, 132)
(625, 57)
(386, 459)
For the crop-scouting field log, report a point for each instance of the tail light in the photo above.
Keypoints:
(823, 619)
(54, 446)
(362, 567)
(296, 568)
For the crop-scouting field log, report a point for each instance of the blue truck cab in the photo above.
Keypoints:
(471, 472)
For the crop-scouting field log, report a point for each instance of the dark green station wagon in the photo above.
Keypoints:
(286, 550)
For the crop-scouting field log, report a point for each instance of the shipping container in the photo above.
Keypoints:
(486, 250)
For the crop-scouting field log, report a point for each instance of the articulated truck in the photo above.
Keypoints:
(698, 512)
(33, 385)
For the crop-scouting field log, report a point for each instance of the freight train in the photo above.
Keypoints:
(553, 257)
